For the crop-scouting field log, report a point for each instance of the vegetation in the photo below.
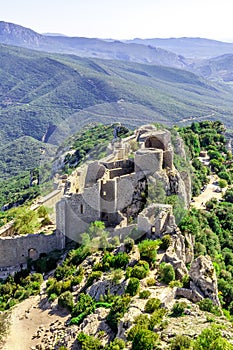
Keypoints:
(17, 288)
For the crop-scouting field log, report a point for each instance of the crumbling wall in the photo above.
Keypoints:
(16, 250)
(149, 161)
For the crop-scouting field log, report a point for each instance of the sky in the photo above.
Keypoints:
(124, 19)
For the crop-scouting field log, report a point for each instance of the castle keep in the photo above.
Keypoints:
(114, 189)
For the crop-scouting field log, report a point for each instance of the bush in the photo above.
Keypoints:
(166, 242)
(120, 260)
(151, 281)
(116, 344)
(152, 305)
(117, 275)
(144, 294)
(207, 305)
(88, 342)
(118, 309)
(156, 318)
(148, 250)
(175, 283)
(144, 340)
(181, 342)
(93, 277)
(65, 300)
(133, 286)
(166, 272)
(178, 309)
(128, 243)
(85, 304)
(140, 270)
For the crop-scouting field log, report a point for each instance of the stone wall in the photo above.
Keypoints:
(16, 250)
(75, 213)
(149, 161)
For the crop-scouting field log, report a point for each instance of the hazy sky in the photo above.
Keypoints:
(123, 19)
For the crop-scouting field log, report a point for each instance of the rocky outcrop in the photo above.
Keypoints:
(95, 323)
(101, 288)
(180, 253)
(156, 220)
(204, 279)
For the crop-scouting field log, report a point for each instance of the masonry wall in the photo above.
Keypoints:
(75, 213)
(15, 250)
(149, 161)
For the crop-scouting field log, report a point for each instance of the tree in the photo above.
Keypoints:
(148, 250)
(66, 300)
(133, 286)
(145, 340)
(166, 272)
(26, 221)
(222, 183)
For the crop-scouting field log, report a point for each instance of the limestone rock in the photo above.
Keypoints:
(189, 294)
(134, 256)
(95, 323)
(204, 280)
(180, 253)
(104, 287)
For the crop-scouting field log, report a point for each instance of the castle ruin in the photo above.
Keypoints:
(114, 189)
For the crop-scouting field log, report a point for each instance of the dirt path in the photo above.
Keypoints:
(30, 321)
(208, 193)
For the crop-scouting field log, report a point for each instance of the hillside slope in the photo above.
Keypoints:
(38, 90)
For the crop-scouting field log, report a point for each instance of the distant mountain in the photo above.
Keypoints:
(12, 34)
(217, 68)
(39, 90)
(195, 48)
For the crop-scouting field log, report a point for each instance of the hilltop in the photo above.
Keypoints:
(158, 288)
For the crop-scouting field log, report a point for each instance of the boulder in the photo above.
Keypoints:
(106, 286)
(204, 279)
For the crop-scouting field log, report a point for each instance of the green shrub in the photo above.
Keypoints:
(166, 272)
(116, 344)
(128, 243)
(156, 318)
(207, 305)
(52, 297)
(186, 281)
(145, 340)
(181, 342)
(88, 342)
(118, 309)
(166, 242)
(148, 250)
(85, 304)
(133, 286)
(151, 281)
(140, 270)
(65, 300)
(117, 275)
(152, 305)
(121, 260)
(66, 285)
(93, 277)
(175, 283)
(144, 294)
(76, 280)
(178, 309)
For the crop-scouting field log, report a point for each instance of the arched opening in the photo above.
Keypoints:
(32, 254)
(154, 142)
(81, 208)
